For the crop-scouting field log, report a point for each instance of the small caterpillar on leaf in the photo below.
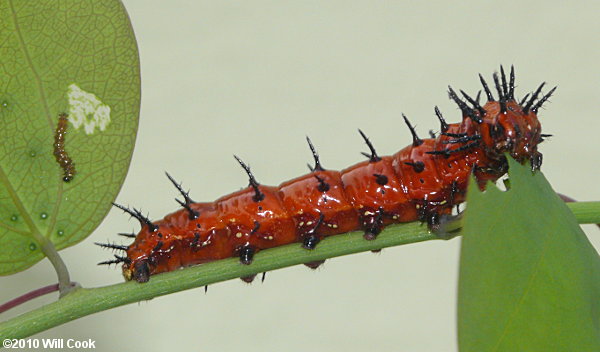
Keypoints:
(61, 155)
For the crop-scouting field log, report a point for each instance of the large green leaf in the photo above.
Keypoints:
(529, 278)
(73, 56)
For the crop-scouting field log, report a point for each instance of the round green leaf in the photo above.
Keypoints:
(529, 277)
(76, 57)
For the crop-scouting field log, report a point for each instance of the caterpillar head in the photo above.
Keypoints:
(515, 130)
(138, 271)
(509, 126)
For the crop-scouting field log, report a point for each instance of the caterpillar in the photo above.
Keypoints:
(62, 158)
(422, 181)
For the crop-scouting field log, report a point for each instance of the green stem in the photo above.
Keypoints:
(64, 280)
(585, 212)
(82, 302)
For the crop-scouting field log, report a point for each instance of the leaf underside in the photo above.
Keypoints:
(529, 277)
(76, 57)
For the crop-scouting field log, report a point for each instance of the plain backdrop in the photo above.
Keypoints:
(254, 78)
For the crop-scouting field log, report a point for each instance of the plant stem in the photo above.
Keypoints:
(32, 295)
(28, 296)
(82, 302)
(585, 212)
(64, 280)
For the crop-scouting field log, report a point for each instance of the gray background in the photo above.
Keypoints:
(253, 78)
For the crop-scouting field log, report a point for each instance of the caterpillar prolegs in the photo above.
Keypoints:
(422, 181)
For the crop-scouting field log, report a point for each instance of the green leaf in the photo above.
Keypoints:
(77, 57)
(529, 278)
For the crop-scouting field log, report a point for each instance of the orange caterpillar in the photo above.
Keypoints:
(420, 182)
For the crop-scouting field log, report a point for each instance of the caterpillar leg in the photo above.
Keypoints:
(432, 213)
(248, 279)
(433, 219)
(536, 161)
(439, 220)
(312, 237)
(246, 254)
(373, 224)
(314, 265)
(311, 242)
(445, 228)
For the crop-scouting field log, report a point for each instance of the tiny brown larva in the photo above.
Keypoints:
(61, 155)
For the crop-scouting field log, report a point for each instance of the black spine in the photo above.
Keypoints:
(193, 214)
(318, 166)
(373, 157)
(258, 195)
(488, 92)
(144, 221)
(416, 140)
